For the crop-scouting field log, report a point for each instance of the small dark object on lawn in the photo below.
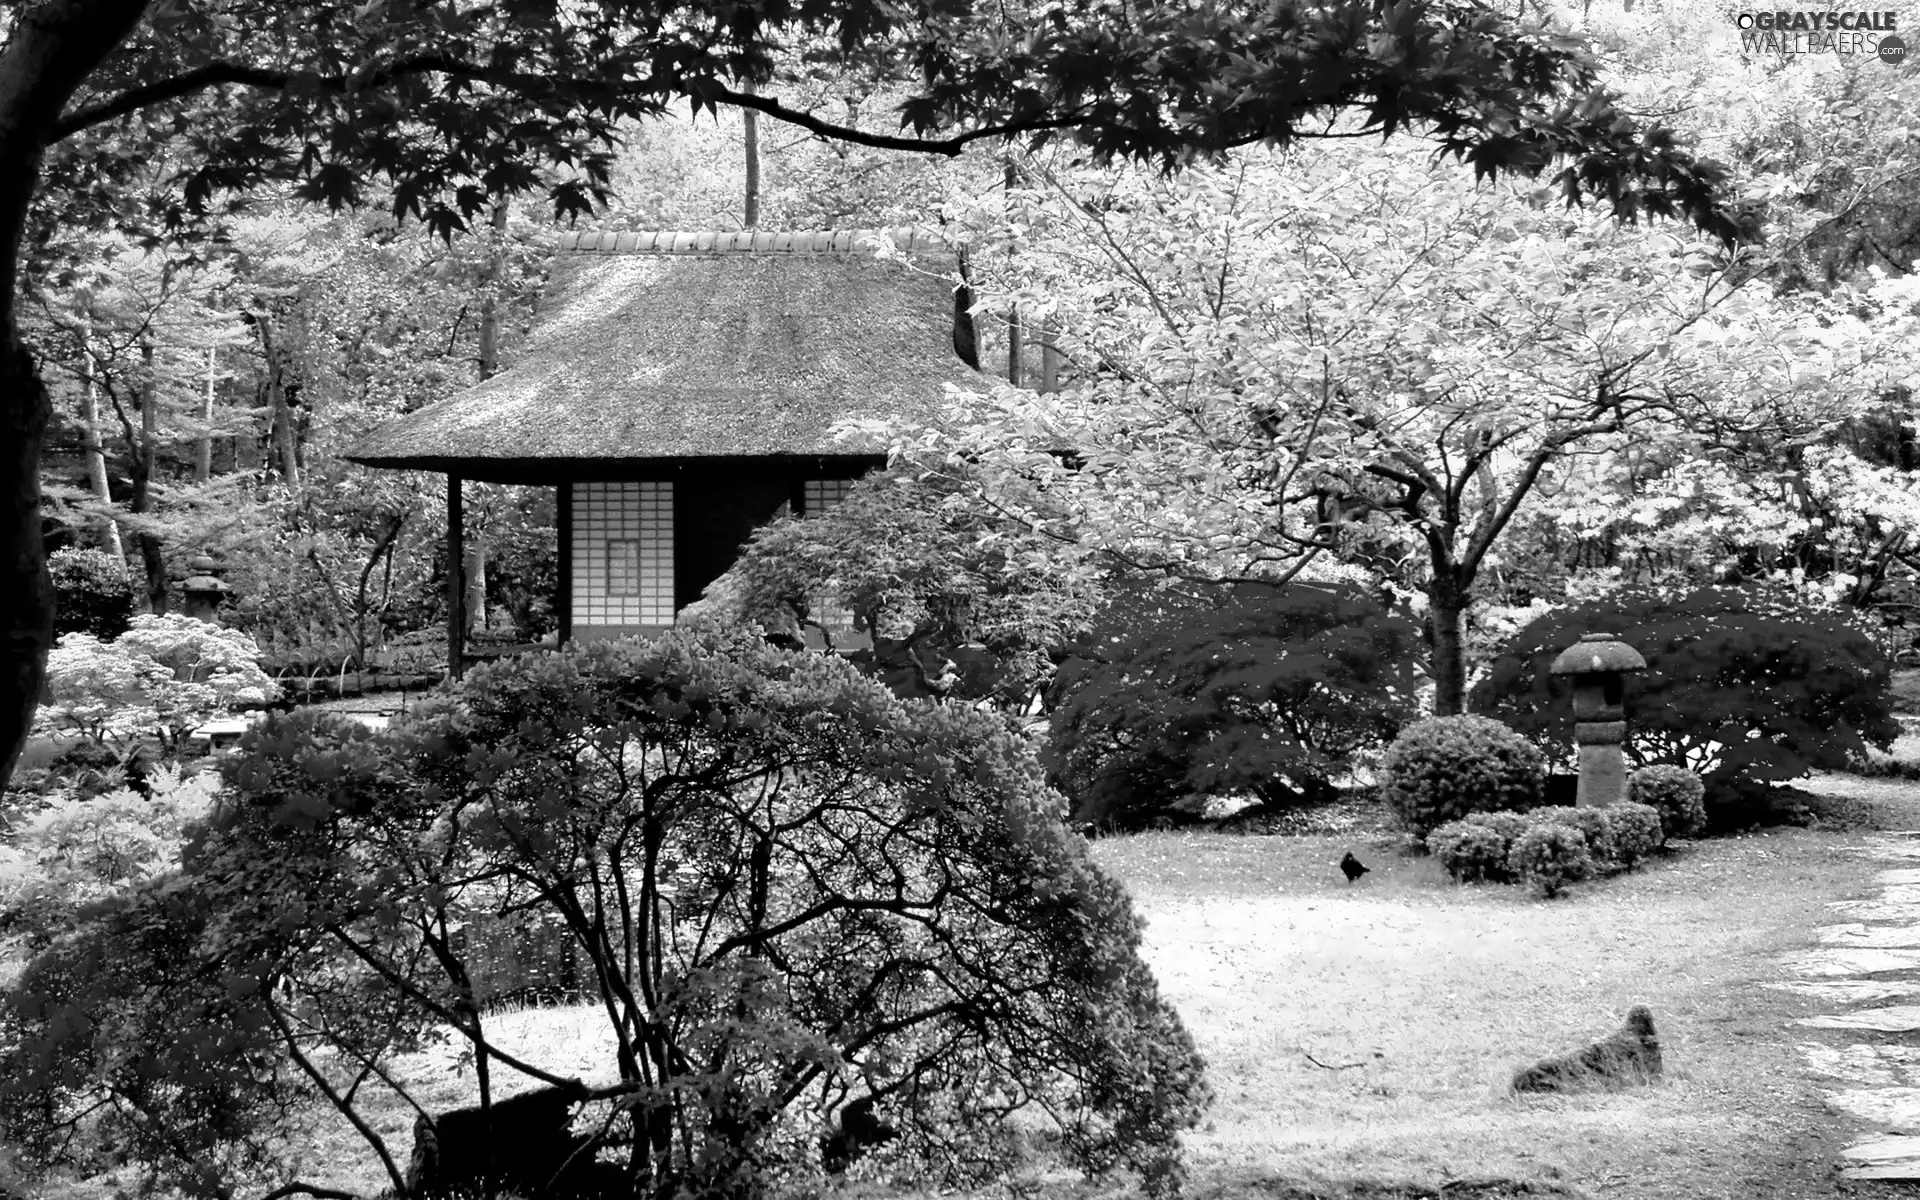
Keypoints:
(135, 772)
(530, 1145)
(860, 1130)
(1629, 1056)
(1352, 867)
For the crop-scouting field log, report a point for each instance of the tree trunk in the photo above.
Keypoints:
(50, 51)
(1446, 609)
(203, 446)
(145, 457)
(96, 453)
(285, 446)
(474, 561)
(26, 604)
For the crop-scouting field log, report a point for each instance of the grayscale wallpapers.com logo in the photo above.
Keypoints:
(1824, 32)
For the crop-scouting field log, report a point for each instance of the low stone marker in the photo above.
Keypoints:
(1629, 1056)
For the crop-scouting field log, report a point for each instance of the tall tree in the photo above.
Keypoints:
(448, 106)
(1347, 362)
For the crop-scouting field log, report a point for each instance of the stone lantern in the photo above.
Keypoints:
(1597, 663)
(203, 591)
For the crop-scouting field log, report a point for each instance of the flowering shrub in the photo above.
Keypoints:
(76, 850)
(163, 676)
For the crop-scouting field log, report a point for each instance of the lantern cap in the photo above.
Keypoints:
(1597, 653)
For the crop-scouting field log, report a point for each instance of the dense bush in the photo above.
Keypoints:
(1471, 852)
(91, 593)
(1444, 768)
(1636, 831)
(1550, 856)
(796, 891)
(1241, 690)
(1594, 824)
(1675, 794)
(1744, 691)
(1509, 825)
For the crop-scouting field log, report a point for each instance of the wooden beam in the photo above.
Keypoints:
(565, 508)
(456, 581)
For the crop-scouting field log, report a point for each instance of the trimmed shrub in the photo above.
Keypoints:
(1445, 768)
(1550, 856)
(1509, 825)
(1636, 831)
(1248, 689)
(91, 593)
(1471, 852)
(1724, 665)
(1676, 794)
(1592, 823)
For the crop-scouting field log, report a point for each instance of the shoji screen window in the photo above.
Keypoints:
(816, 497)
(622, 554)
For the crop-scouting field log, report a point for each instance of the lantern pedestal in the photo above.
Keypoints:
(1597, 663)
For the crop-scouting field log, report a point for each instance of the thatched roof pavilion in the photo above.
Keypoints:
(680, 389)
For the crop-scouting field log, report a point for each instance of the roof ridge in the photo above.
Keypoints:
(799, 241)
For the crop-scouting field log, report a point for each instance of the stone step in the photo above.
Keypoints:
(1847, 991)
(1894, 1018)
(1896, 1157)
(1840, 961)
(1881, 937)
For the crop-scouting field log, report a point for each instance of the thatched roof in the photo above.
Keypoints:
(661, 347)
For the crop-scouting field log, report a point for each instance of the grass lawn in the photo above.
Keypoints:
(1367, 1032)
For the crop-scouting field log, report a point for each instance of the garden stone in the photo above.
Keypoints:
(530, 1143)
(1630, 1055)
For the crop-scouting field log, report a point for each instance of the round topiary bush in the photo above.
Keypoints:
(1636, 831)
(1471, 852)
(1445, 768)
(1676, 794)
(1591, 822)
(1550, 856)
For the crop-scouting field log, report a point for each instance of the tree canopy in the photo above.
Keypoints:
(150, 113)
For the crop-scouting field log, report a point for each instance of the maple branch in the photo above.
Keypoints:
(297, 1188)
(217, 74)
(342, 1105)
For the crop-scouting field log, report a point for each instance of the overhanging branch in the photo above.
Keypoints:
(218, 74)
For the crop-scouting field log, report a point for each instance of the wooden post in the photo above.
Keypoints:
(456, 580)
(750, 124)
(565, 511)
(1049, 359)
